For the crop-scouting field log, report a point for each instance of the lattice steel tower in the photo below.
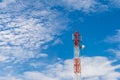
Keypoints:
(77, 61)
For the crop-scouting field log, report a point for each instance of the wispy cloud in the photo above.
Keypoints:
(26, 27)
(114, 39)
(114, 3)
(85, 5)
(5, 3)
(116, 52)
(57, 41)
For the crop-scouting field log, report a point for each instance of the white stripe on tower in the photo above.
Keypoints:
(77, 63)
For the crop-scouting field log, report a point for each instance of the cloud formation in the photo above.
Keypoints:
(25, 26)
(4, 3)
(114, 3)
(84, 5)
(93, 68)
(114, 39)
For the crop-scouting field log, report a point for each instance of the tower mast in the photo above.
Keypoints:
(77, 60)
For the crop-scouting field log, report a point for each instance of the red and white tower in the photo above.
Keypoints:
(77, 60)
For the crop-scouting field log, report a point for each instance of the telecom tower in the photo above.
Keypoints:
(77, 61)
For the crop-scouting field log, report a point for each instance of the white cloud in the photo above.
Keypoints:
(22, 35)
(115, 38)
(93, 68)
(4, 3)
(115, 3)
(37, 76)
(3, 58)
(96, 68)
(85, 5)
(42, 55)
(115, 51)
(57, 41)
(16, 54)
(99, 67)
(10, 78)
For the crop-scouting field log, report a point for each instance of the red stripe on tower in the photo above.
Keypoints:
(77, 60)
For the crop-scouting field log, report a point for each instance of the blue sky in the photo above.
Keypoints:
(36, 39)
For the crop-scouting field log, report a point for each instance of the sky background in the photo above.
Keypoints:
(36, 39)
